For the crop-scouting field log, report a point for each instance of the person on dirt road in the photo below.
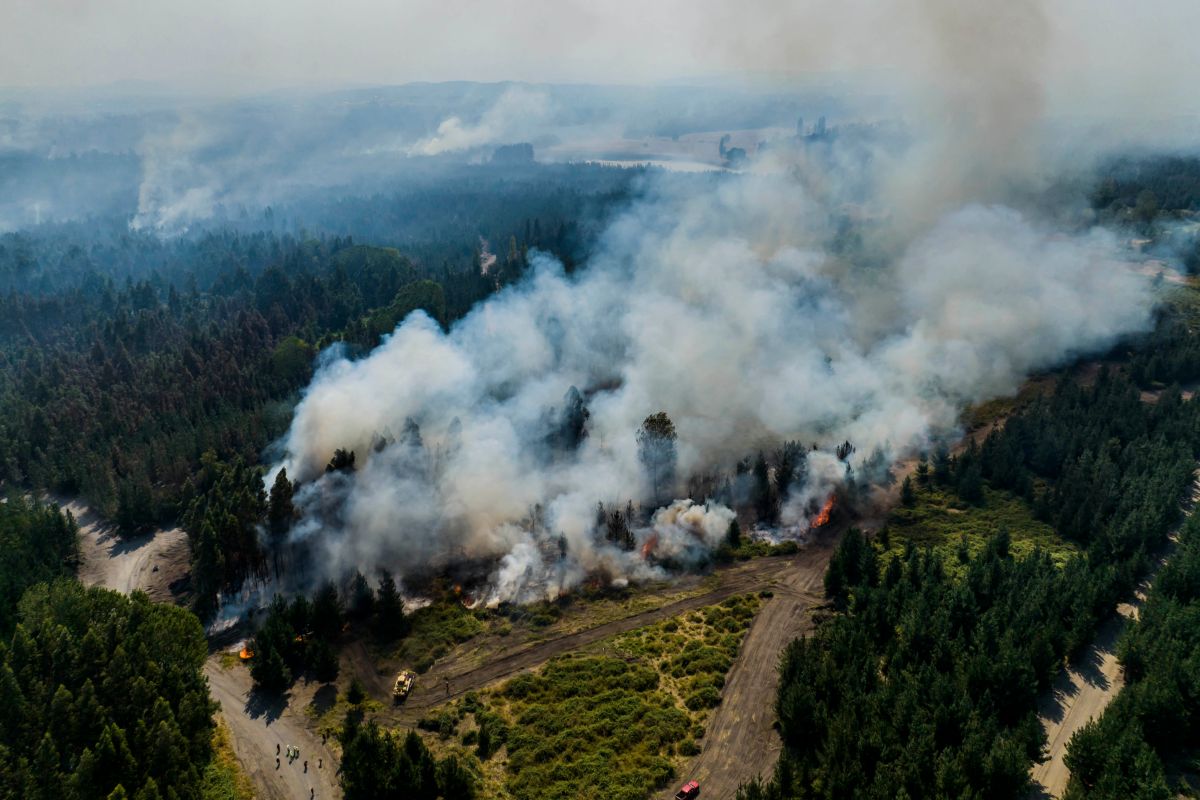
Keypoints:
(276, 762)
(277, 748)
(305, 767)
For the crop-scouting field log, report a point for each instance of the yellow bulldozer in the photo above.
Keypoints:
(403, 685)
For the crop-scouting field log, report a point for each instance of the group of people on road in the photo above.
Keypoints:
(292, 754)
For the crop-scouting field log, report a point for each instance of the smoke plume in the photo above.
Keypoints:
(728, 310)
(752, 308)
(517, 114)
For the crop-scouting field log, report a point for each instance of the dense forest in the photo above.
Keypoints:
(382, 765)
(926, 686)
(102, 696)
(37, 544)
(1152, 728)
(145, 374)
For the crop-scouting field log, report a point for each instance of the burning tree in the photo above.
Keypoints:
(656, 449)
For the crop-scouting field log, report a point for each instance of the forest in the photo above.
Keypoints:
(148, 375)
(926, 684)
(102, 696)
(145, 374)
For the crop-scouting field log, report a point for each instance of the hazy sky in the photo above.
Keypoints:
(1132, 48)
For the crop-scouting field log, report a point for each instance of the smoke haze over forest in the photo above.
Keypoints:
(862, 282)
(741, 309)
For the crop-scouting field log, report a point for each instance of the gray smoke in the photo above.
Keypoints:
(735, 305)
(724, 309)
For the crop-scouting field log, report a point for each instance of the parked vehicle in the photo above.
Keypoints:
(689, 791)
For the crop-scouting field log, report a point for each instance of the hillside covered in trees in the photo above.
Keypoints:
(926, 685)
(101, 695)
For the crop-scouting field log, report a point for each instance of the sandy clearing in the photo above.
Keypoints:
(150, 562)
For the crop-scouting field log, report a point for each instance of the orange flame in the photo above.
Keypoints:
(649, 545)
(826, 511)
(246, 654)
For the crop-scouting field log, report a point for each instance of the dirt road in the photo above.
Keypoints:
(740, 742)
(151, 562)
(1084, 690)
(1079, 695)
(258, 727)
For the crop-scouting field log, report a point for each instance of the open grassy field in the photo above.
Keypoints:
(446, 628)
(619, 720)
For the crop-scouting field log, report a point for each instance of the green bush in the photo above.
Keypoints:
(707, 697)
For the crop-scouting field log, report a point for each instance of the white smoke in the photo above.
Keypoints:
(178, 187)
(866, 295)
(726, 309)
(517, 115)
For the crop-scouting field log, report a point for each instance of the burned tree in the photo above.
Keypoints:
(342, 461)
(656, 450)
(615, 525)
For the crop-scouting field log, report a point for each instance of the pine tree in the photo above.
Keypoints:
(390, 622)
(280, 510)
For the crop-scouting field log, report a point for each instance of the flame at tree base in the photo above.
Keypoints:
(826, 511)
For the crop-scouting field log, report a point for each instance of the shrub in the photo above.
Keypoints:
(707, 697)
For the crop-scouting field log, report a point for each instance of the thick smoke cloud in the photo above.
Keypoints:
(864, 293)
(725, 308)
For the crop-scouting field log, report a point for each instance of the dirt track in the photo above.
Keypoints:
(1084, 690)
(258, 726)
(153, 563)
(1079, 695)
(740, 742)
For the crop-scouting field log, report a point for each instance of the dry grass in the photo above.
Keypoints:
(620, 719)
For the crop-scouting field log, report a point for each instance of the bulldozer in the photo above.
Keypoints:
(403, 685)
